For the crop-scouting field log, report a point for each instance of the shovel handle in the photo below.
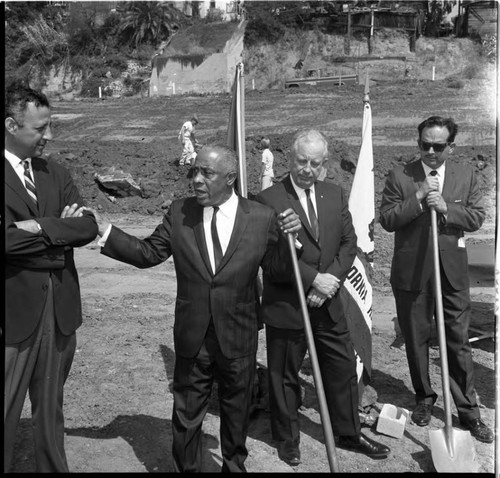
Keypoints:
(318, 381)
(440, 324)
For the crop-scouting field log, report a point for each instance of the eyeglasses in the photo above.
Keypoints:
(437, 147)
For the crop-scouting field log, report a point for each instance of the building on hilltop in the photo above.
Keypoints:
(231, 10)
(201, 59)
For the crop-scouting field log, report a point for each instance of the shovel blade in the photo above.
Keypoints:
(462, 456)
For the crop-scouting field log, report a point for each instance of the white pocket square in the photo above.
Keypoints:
(457, 200)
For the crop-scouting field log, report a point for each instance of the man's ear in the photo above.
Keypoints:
(231, 178)
(11, 125)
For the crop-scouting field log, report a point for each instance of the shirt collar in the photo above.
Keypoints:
(13, 159)
(229, 207)
(439, 170)
(301, 191)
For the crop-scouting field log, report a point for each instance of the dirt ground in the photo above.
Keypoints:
(118, 399)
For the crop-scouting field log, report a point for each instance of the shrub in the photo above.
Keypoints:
(90, 87)
(214, 15)
(456, 83)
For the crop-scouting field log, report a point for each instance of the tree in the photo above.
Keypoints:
(148, 22)
(436, 11)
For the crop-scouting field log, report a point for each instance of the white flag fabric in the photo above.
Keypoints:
(357, 291)
(236, 128)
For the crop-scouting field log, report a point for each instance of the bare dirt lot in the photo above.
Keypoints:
(118, 399)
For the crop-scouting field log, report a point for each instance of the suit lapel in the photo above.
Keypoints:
(42, 184)
(320, 205)
(199, 234)
(418, 173)
(13, 182)
(449, 180)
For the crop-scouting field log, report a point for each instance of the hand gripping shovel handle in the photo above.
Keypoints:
(441, 330)
(318, 382)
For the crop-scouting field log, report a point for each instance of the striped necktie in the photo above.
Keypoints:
(28, 182)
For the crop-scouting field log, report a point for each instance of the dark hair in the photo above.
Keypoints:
(439, 121)
(17, 96)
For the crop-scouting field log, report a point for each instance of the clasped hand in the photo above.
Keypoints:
(430, 191)
(289, 222)
(436, 201)
(324, 287)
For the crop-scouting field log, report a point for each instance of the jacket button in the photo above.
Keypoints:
(45, 287)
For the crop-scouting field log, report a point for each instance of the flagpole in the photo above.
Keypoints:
(236, 128)
(366, 97)
(241, 133)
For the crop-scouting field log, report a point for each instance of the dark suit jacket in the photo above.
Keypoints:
(412, 263)
(31, 259)
(228, 297)
(280, 302)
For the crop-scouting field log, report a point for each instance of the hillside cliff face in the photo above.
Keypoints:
(269, 65)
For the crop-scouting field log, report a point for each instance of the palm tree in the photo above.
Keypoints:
(148, 22)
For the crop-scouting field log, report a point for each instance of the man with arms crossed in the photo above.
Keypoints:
(44, 221)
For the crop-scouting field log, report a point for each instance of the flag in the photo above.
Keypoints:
(356, 295)
(236, 128)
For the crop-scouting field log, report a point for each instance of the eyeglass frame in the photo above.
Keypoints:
(437, 147)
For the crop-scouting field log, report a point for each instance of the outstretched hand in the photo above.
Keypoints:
(102, 223)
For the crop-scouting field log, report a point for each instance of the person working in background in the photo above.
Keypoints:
(267, 174)
(218, 241)
(328, 250)
(411, 190)
(188, 141)
(44, 221)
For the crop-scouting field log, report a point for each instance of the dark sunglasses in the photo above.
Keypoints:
(437, 147)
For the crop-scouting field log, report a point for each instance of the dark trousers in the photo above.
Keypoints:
(415, 310)
(193, 380)
(40, 364)
(286, 349)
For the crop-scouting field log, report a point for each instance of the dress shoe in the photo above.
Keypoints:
(289, 452)
(365, 445)
(421, 416)
(478, 430)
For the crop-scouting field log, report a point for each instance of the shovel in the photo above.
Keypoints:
(452, 450)
(318, 381)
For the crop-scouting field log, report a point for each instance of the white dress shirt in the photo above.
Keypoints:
(225, 223)
(18, 165)
(440, 174)
(301, 193)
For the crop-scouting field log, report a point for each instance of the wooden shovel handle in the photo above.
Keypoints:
(318, 381)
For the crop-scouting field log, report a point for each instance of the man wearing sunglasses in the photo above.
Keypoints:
(411, 190)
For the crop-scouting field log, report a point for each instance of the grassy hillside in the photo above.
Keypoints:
(201, 39)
